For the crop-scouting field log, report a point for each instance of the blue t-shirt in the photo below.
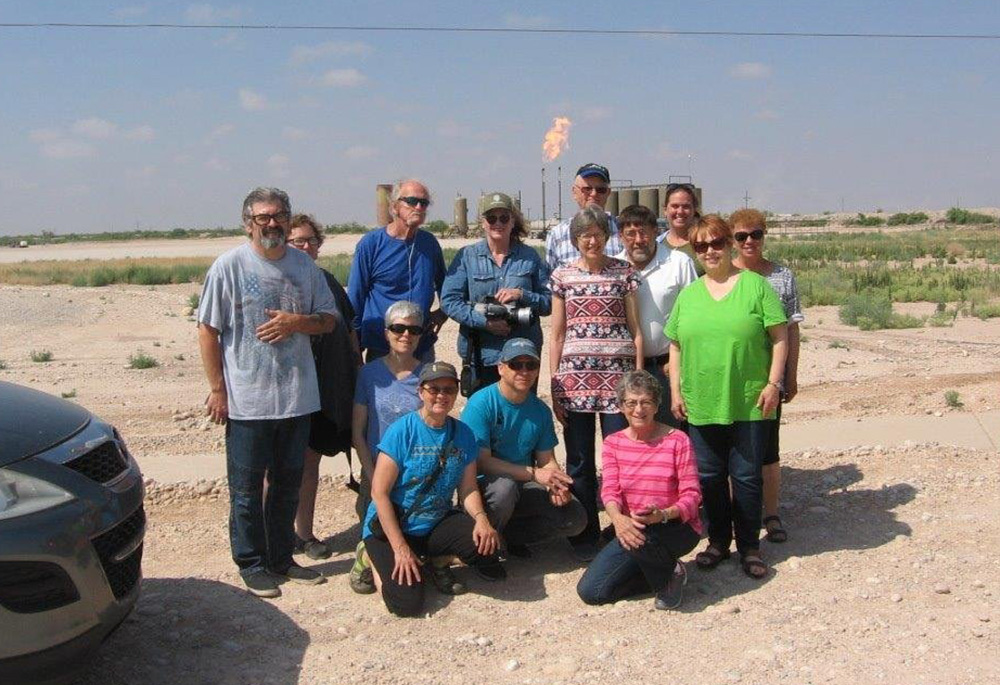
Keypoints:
(386, 397)
(416, 448)
(386, 270)
(512, 432)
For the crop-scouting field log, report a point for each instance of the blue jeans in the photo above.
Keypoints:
(261, 533)
(732, 453)
(663, 413)
(581, 466)
(617, 573)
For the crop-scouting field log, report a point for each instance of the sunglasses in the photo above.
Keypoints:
(526, 365)
(493, 218)
(400, 328)
(756, 234)
(438, 390)
(594, 190)
(416, 201)
(717, 245)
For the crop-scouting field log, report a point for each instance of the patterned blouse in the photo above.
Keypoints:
(599, 348)
(783, 282)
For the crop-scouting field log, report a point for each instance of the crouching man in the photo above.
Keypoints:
(527, 495)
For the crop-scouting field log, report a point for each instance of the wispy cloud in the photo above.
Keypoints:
(359, 152)
(401, 129)
(210, 14)
(280, 165)
(597, 113)
(343, 78)
(142, 134)
(95, 127)
(750, 70)
(216, 164)
(293, 133)
(220, 131)
(303, 54)
(67, 148)
(44, 135)
(526, 21)
(252, 101)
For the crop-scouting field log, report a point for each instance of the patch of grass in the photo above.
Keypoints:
(41, 356)
(141, 360)
(865, 220)
(953, 399)
(942, 319)
(907, 219)
(986, 311)
(68, 395)
(194, 300)
(957, 215)
(838, 345)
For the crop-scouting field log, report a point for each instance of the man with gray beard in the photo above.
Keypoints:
(259, 305)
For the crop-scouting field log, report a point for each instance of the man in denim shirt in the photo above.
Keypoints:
(499, 266)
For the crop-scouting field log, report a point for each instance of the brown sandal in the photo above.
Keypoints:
(775, 532)
(710, 558)
(753, 565)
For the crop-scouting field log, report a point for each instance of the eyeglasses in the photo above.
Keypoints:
(600, 237)
(302, 242)
(438, 390)
(593, 190)
(526, 365)
(416, 201)
(265, 219)
(493, 218)
(645, 404)
(756, 234)
(717, 244)
(400, 328)
(633, 231)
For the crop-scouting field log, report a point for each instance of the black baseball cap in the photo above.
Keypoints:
(592, 169)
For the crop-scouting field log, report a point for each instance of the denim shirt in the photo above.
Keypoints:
(473, 274)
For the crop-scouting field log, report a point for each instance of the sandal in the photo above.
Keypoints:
(775, 533)
(446, 582)
(710, 558)
(753, 565)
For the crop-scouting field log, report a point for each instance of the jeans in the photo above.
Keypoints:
(581, 467)
(261, 533)
(732, 453)
(525, 514)
(451, 536)
(663, 413)
(617, 572)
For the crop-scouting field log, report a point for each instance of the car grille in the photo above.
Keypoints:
(101, 464)
(28, 587)
(122, 575)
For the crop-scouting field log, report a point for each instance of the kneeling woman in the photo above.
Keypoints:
(650, 491)
(423, 457)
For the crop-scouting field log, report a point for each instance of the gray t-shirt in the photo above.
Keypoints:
(265, 380)
(783, 282)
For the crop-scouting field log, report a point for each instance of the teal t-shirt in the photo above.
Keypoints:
(415, 448)
(512, 432)
(725, 348)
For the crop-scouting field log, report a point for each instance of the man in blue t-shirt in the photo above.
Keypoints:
(527, 494)
(397, 262)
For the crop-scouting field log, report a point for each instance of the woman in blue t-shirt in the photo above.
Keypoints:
(423, 459)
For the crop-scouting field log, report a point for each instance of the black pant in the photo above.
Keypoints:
(581, 465)
(452, 535)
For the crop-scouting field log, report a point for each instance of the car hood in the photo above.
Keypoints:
(32, 421)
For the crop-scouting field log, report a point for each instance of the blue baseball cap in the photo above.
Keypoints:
(591, 169)
(518, 347)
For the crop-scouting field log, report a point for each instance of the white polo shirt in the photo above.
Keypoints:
(668, 272)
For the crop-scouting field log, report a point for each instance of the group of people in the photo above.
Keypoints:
(683, 363)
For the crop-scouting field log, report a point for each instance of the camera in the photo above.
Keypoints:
(511, 313)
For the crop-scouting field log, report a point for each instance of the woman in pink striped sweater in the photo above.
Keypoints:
(651, 494)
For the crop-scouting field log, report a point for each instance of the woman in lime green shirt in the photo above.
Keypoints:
(726, 383)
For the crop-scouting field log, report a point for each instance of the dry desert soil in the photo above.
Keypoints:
(891, 498)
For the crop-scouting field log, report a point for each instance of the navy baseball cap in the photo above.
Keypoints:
(592, 169)
(518, 347)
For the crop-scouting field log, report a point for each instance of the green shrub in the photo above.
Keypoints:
(41, 356)
(908, 219)
(872, 313)
(194, 301)
(838, 345)
(865, 220)
(987, 311)
(953, 399)
(957, 215)
(942, 319)
(141, 360)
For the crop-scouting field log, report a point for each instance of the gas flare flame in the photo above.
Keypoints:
(556, 138)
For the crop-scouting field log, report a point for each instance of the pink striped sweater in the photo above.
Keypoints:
(662, 473)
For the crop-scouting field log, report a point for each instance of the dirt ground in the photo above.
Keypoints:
(890, 575)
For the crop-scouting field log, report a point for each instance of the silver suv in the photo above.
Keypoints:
(71, 532)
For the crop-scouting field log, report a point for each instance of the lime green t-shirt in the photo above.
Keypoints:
(725, 348)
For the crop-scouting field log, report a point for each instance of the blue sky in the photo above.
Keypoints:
(106, 129)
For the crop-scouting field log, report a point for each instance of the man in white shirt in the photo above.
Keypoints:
(591, 186)
(663, 273)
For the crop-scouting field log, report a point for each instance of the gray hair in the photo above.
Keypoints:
(591, 215)
(404, 309)
(639, 383)
(397, 188)
(261, 194)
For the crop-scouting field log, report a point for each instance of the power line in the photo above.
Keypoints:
(512, 30)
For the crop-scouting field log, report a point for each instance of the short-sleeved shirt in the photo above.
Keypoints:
(265, 380)
(512, 432)
(725, 350)
(598, 348)
(416, 448)
(386, 397)
(783, 282)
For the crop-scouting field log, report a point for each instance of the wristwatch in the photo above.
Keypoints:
(780, 385)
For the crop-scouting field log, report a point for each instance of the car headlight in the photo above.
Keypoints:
(21, 495)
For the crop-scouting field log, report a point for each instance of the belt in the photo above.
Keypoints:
(659, 361)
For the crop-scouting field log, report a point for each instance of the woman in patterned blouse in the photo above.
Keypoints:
(596, 339)
(749, 229)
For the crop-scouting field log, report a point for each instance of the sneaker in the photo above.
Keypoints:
(672, 595)
(303, 575)
(491, 572)
(446, 582)
(317, 550)
(519, 551)
(584, 551)
(361, 579)
(262, 584)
